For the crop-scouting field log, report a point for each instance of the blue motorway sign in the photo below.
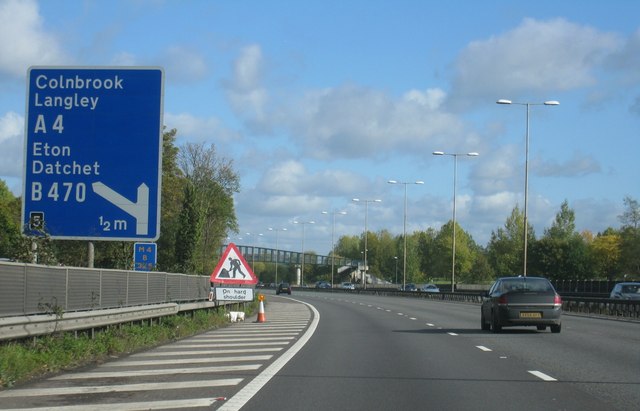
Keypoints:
(144, 256)
(93, 153)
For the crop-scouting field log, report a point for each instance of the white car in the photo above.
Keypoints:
(430, 288)
(348, 286)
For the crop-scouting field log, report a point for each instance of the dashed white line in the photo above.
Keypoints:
(430, 325)
(483, 348)
(542, 376)
(450, 333)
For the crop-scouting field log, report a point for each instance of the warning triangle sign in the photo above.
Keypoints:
(232, 268)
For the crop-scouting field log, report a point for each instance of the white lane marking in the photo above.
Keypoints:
(413, 318)
(98, 389)
(450, 333)
(400, 314)
(430, 325)
(388, 311)
(206, 360)
(206, 352)
(542, 376)
(483, 348)
(130, 406)
(169, 371)
(245, 394)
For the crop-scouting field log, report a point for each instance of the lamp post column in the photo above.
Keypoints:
(526, 175)
(453, 234)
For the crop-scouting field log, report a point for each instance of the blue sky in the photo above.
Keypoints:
(320, 102)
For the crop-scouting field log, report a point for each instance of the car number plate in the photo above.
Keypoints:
(530, 315)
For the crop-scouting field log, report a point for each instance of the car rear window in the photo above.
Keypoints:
(631, 288)
(527, 284)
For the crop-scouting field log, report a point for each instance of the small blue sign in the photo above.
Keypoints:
(93, 153)
(145, 256)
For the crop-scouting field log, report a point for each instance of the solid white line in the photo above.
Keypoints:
(483, 348)
(244, 395)
(542, 376)
(193, 370)
(99, 389)
(129, 406)
(206, 352)
(206, 360)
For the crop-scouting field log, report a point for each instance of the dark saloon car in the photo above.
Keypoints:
(515, 301)
(283, 288)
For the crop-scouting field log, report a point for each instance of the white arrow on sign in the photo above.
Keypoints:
(138, 210)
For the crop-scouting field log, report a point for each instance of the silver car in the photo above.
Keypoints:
(626, 291)
(516, 301)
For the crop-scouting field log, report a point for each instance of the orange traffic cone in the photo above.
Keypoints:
(261, 317)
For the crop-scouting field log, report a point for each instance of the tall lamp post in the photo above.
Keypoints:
(404, 229)
(333, 231)
(366, 211)
(396, 258)
(526, 171)
(455, 177)
(277, 251)
(253, 251)
(303, 223)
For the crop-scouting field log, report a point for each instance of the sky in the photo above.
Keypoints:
(320, 102)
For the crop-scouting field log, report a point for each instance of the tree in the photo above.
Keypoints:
(630, 238)
(214, 182)
(631, 216)
(465, 251)
(562, 252)
(9, 221)
(605, 254)
(505, 249)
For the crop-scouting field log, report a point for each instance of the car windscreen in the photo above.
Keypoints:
(526, 285)
(631, 289)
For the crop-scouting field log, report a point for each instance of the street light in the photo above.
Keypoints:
(396, 258)
(404, 228)
(333, 230)
(455, 176)
(304, 223)
(277, 251)
(253, 251)
(526, 170)
(366, 211)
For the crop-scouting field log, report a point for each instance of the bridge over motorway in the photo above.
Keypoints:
(271, 255)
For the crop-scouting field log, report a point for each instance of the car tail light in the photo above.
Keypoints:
(557, 301)
(502, 300)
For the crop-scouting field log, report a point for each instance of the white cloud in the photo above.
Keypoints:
(11, 139)
(356, 122)
(537, 56)
(24, 41)
(184, 65)
(577, 166)
(197, 129)
(245, 91)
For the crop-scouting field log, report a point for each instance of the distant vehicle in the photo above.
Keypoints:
(513, 301)
(283, 288)
(626, 291)
(348, 286)
(323, 284)
(409, 287)
(430, 288)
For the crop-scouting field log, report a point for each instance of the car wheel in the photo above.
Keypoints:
(483, 323)
(495, 324)
(541, 327)
(556, 328)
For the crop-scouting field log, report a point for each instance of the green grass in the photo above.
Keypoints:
(33, 358)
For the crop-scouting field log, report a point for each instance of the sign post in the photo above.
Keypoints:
(233, 269)
(93, 153)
